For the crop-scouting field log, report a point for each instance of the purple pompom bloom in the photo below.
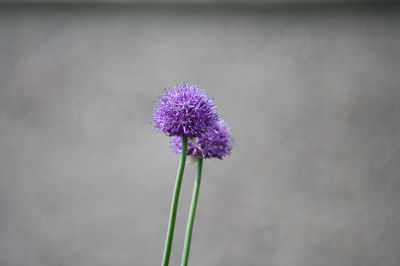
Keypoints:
(185, 110)
(216, 143)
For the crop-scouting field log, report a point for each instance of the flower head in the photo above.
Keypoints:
(216, 143)
(185, 110)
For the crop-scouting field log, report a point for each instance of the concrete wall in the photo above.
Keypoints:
(312, 97)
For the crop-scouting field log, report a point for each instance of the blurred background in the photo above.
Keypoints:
(310, 90)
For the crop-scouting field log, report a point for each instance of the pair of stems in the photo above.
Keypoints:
(174, 208)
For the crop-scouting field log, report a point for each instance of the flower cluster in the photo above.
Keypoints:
(188, 111)
(216, 143)
(185, 110)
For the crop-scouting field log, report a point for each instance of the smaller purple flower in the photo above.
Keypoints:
(185, 110)
(216, 143)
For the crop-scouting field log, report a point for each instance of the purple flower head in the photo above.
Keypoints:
(185, 110)
(216, 143)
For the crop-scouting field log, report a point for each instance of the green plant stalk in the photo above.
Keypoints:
(174, 204)
(192, 212)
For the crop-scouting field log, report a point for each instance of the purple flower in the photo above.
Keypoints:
(185, 110)
(216, 143)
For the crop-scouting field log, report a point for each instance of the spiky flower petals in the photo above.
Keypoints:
(185, 110)
(216, 143)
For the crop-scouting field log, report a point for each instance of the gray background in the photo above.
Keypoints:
(312, 96)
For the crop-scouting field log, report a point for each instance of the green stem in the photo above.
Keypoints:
(189, 228)
(174, 204)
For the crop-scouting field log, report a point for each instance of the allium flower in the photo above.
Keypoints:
(216, 143)
(185, 110)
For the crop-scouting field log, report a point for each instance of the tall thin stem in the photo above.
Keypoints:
(174, 204)
(189, 228)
